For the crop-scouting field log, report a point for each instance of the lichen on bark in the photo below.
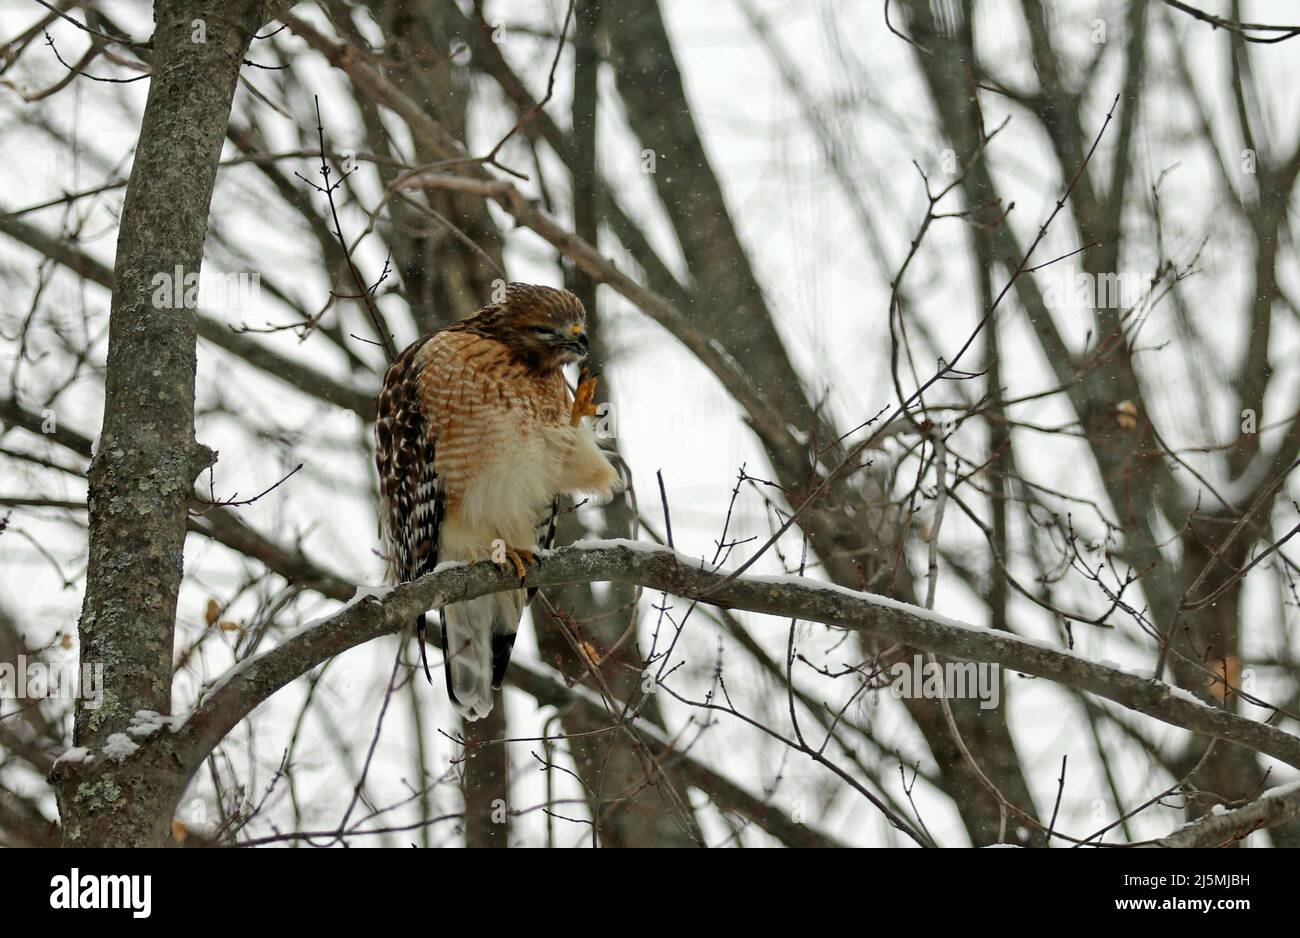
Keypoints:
(142, 473)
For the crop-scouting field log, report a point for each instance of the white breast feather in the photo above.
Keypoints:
(511, 492)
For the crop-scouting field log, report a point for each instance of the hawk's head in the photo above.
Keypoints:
(545, 328)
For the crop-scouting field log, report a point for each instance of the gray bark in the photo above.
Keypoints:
(143, 471)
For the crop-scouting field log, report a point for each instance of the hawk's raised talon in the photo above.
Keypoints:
(584, 400)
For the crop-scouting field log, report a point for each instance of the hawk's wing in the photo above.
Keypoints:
(411, 496)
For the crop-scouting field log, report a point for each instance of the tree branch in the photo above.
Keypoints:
(378, 612)
(1218, 830)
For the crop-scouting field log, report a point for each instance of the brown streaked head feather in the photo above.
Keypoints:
(544, 327)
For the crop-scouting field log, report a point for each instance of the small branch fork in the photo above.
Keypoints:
(1244, 30)
(365, 292)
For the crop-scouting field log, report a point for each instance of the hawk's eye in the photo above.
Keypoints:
(544, 331)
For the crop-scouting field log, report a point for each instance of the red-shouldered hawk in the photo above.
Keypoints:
(476, 437)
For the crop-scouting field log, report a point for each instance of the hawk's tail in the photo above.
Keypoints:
(421, 631)
(477, 637)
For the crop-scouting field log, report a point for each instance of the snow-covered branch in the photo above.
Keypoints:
(1223, 828)
(657, 568)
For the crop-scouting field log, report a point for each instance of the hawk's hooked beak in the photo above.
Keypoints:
(579, 341)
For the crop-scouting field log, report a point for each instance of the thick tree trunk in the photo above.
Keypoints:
(143, 470)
